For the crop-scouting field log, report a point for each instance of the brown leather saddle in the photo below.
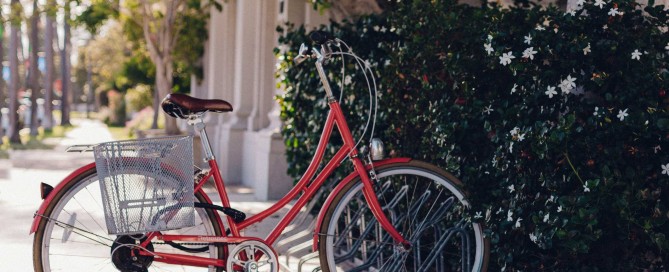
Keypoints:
(182, 105)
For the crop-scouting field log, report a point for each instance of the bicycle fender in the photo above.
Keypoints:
(348, 179)
(37, 217)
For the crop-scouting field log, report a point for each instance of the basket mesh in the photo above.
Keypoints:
(146, 185)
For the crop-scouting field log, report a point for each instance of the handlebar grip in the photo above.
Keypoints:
(320, 37)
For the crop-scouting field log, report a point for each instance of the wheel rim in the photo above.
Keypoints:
(372, 234)
(64, 249)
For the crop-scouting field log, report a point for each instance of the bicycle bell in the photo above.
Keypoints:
(376, 149)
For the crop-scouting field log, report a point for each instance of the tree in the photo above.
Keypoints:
(49, 59)
(2, 57)
(162, 22)
(65, 67)
(15, 21)
(34, 72)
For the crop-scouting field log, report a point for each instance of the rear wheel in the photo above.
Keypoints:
(424, 203)
(72, 235)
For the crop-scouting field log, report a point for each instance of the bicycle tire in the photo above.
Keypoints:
(350, 239)
(83, 189)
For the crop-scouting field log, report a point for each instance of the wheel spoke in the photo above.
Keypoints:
(87, 238)
(426, 210)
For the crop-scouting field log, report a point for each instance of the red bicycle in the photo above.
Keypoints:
(394, 214)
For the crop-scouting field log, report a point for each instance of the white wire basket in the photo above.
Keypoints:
(146, 185)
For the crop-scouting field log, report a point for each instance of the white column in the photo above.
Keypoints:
(220, 72)
(313, 19)
(231, 133)
(265, 160)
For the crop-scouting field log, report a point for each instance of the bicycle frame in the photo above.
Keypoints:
(307, 184)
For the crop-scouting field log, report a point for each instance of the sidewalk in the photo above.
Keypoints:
(19, 190)
(19, 193)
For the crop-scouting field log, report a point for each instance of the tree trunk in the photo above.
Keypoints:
(164, 87)
(14, 78)
(160, 43)
(34, 70)
(2, 80)
(65, 69)
(47, 123)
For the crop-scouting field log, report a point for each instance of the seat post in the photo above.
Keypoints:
(199, 125)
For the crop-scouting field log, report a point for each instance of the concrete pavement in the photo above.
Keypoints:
(19, 196)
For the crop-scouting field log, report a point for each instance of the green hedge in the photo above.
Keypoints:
(563, 147)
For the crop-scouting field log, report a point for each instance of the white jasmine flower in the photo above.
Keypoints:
(665, 169)
(540, 28)
(528, 39)
(506, 58)
(585, 188)
(489, 37)
(513, 90)
(657, 148)
(488, 109)
(488, 48)
(580, 2)
(514, 131)
(622, 114)
(546, 217)
(529, 53)
(586, 50)
(559, 209)
(511, 147)
(499, 211)
(569, 82)
(533, 238)
(636, 54)
(509, 216)
(570, 12)
(600, 3)
(565, 88)
(521, 137)
(478, 215)
(376, 28)
(347, 80)
(605, 27)
(596, 113)
(555, 30)
(511, 188)
(518, 222)
(579, 90)
(667, 47)
(613, 12)
(551, 92)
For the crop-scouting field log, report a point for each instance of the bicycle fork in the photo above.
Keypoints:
(374, 205)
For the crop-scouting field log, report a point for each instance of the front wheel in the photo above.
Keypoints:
(72, 235)
(424, 203)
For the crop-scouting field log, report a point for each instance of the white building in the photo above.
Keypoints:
(239, 68)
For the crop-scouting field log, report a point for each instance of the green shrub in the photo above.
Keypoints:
(563, 150)
(139, 97)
